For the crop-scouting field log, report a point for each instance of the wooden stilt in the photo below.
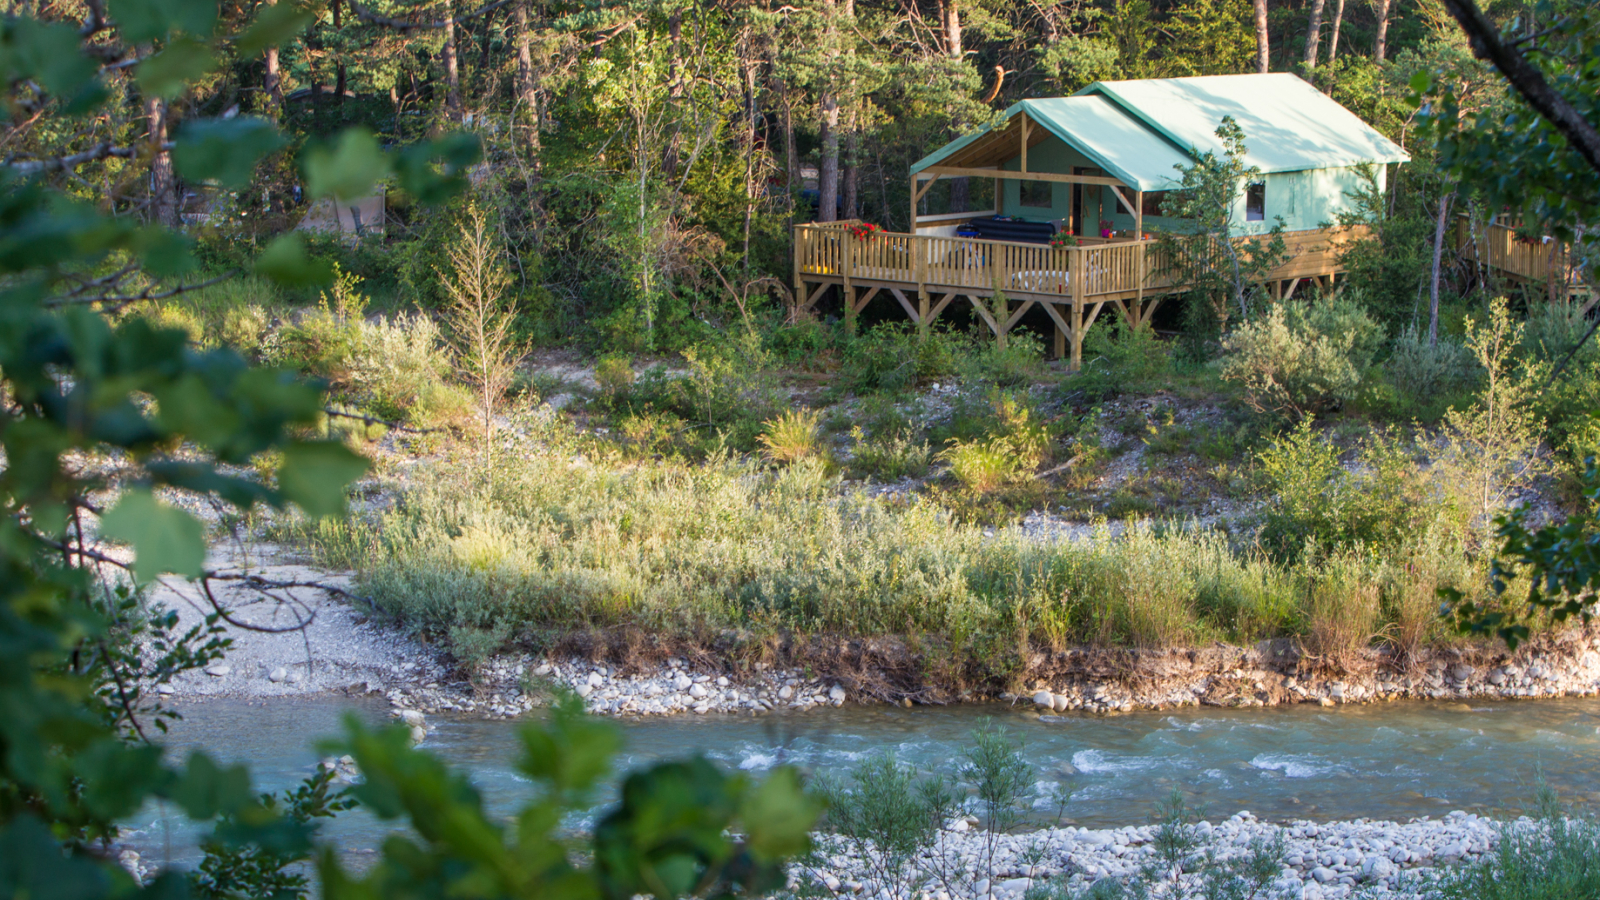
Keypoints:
(922, 315)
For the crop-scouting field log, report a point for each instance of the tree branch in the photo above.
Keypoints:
(367, 15)
(99, 151)
(1527, 80)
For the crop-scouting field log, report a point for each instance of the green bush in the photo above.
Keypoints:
(1119, 359)
(891, 456)
(1421, 371)
(1552, 857)
(893, 357)
(1302, 358)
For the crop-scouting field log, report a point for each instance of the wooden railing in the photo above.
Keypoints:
(1116, 269)
(1496, 246)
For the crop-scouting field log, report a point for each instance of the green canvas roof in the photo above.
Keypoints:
(1141, 131)
(1095, 127)
(1288, 125)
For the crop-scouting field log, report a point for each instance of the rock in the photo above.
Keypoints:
(278, 674)
(697, 691)
(786, 692)
(296, 678)
(596, 679)
(722, 681)
(1014, 886)
(682, 682)
(1376, 867)
(836, 694)
(1497, 677)
(412, 717)
(1461, 671)
(218, 671)
(1044, 699)
(1323, 874)
(166, 690)
(584, 689)
(418, 734)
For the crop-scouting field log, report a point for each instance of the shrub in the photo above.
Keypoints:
(1118, 358)
(984, 466)
(1302, 358)
(1420, 370)
(1551, 857)
(1341, 608)
(893, 357)
(1019, 362)
(613, 373)
(892, 456)
(791, 437)
(396, 362)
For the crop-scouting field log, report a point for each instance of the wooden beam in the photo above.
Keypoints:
(983, 311)
(1024, 141)
(956, 172)
(951, 217)
(866, 298)
(1132, 210)
(905, 304)
(939, 306)
(920, 192)
(1138, 215)
(1018, 314)
(812, 300)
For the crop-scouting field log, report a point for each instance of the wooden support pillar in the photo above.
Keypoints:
(1060, 348)
(849, 294)
(1138, 215)
(1080, 272)
(1024, 118)
(847, 264)
(923, 318)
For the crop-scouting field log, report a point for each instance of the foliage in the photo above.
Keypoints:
(1552, 854)
(1223, 266)
(891, 456)
(668, 836)
(888, 815)
(892, 357)
(1301, 359)
(487, 351)
(1422, 371)
(792, 437)
(1120, 359)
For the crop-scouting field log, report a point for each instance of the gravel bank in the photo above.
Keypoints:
(1321, 861)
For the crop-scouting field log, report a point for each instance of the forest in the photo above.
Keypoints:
(447, 375)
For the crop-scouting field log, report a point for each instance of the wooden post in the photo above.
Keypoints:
(915, 197)
(847, 263)
(1138, 215)
(922, 313)
(1024, 142)
(1080, 278)
(1061, 342)
(800, 234)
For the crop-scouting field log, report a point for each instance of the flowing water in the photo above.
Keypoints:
(1388, 761)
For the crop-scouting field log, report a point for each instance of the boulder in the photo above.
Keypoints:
(1044, 699)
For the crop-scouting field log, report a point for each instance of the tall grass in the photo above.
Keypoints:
(557, 543)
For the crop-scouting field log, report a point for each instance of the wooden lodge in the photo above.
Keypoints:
(1096, 166)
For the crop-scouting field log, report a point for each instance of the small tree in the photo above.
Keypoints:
(487, 351)
(1222, 269)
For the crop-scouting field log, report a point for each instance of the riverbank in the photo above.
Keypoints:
(345, 648)
(1316, 861)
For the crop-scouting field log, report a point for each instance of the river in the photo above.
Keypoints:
(1385, 761)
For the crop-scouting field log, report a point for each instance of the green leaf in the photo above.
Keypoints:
(206, 790)
(139, 21)
(432, 171)
(164, 538)
(165, 253)
(285, 262)
(50, 53)
(314, 475)
(224, 150)
(347, 170)
(276, 24)
(168, 72)
(33, 865)
(778, 816)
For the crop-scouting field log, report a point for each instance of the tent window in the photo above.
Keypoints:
(1037, 195)
(1151, 205)
(1255, 202)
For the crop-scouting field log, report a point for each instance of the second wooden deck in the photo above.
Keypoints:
(1003, 280)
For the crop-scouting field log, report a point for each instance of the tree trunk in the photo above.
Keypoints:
(452, 72)
(163, 188)
(791, 153)
(852, 168)
(951, 12)
(339, 72)
(1263, 48)
(1438, 256)
(1314, 33)
(828, 170)
(527, 93)
(1333, 39)
(1380, 44)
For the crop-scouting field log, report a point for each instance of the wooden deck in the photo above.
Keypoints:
(1003, 280)
(1542, 262)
